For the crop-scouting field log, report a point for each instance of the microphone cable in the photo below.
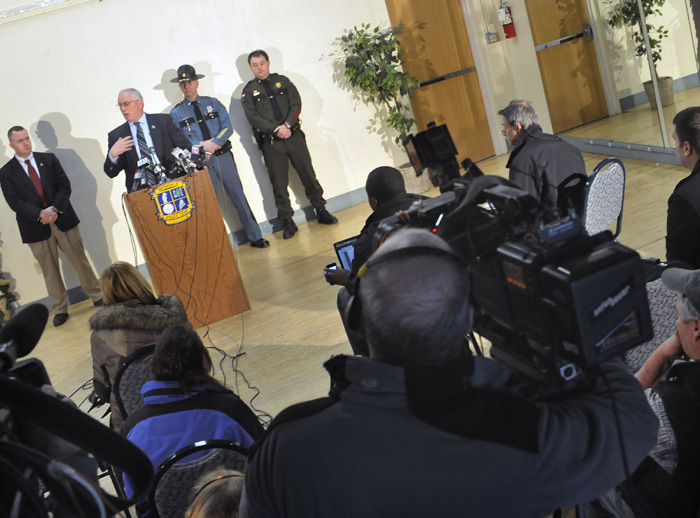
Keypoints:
(263, 415)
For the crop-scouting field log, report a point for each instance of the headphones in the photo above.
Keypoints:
(353, 312)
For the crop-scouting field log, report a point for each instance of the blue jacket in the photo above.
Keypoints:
(173, 419)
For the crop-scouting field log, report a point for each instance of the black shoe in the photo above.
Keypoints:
(260, 243)
(324, 217)
(95, 400)
(98, 303)
(59, 319)
(290, 228)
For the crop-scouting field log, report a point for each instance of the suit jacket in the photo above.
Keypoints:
(165, 136)
(23, 198)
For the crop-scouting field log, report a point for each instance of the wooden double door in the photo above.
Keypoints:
(437, 52)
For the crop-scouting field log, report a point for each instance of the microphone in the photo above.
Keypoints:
(192, 160)
(140, 180)
(159, 169)
(21, 334)
(173, 167)
(181, 157)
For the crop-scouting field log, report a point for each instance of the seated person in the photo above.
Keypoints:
(667, 481)
(131, 318)
(539, 162)
(216, 495)
(185, 404)
(386, 194)
(683, 219)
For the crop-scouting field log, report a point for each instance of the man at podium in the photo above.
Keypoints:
(133, 140)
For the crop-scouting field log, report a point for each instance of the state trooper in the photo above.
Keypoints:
(272, 105)
(205, 122)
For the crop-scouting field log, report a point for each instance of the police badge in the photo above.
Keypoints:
(173, 202)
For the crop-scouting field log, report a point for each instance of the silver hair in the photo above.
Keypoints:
(519, 111)
(687, 310)
(133, 92)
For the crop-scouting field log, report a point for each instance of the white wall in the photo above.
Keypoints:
(65, 68)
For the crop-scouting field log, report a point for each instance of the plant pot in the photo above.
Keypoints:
(414, 184)
(665, 91)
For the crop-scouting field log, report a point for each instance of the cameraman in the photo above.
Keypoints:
(668, 479)
(420, 428)
(386, 194)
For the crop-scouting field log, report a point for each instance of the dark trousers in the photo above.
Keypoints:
(278, 153)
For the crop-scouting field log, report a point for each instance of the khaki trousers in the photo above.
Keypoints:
(46, 254)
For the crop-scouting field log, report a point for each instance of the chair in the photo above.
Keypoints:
(604, 197)
(132, 374)
(170, 492)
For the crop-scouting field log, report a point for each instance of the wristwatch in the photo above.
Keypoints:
(287, 125)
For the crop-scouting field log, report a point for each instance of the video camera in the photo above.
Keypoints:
(553, 301)
(48, 446)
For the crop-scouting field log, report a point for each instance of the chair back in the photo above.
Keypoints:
(131, 376)
(604, 197)
(170, 492)
(571, 192)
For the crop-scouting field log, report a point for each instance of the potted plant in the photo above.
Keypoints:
(369, 61)
(626, 13)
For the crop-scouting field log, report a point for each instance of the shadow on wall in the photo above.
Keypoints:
(82, 160)
(171, 91)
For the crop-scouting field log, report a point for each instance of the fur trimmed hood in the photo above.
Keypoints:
(135, 315)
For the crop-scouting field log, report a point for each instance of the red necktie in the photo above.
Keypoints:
(34, 177)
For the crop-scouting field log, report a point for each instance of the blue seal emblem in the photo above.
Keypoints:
(173, 202)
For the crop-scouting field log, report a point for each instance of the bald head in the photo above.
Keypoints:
(415, 300)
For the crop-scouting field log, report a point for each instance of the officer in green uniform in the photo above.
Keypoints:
(272, 105)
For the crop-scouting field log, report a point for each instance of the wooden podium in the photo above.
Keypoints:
(187, 249)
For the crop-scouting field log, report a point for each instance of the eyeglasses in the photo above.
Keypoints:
(125, 104)
(505, 130)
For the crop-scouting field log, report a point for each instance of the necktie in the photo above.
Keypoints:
(206, 135)
(34, 177)
(141, 139)
(276, 110)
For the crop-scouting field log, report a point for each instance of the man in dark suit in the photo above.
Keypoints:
(141, 131)
(38, 191)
